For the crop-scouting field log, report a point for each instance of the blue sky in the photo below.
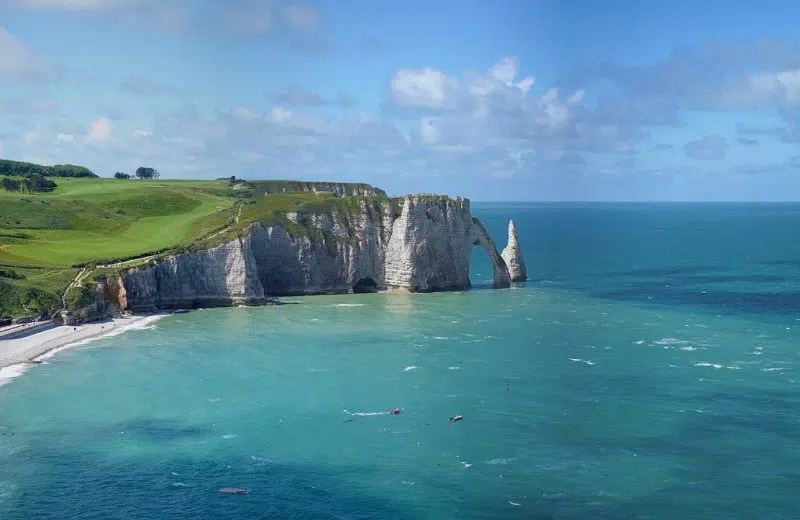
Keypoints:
(509, 100)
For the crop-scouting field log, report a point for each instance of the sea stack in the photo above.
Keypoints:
(513, 256)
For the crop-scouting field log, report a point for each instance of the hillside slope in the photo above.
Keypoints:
(46, 239)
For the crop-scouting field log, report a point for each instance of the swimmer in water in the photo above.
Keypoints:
(456, 418)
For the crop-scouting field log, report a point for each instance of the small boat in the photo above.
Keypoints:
(395, 411)
(456, 418)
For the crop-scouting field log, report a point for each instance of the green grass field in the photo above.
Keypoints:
(45, 238)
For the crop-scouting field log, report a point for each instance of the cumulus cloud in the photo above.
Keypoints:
(100, 129)
(491, 122)
(748, 75)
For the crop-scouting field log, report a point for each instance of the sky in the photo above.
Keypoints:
(514, 100)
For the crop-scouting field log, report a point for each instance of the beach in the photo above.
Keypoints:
(29, 348)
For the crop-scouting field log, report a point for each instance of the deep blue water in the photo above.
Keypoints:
(648, 370)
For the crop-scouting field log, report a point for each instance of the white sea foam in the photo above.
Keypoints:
(230, 435)
(365, 414)
(409, 369)
(706, 364)
(10, 372)
(772, 369)
(501, 461)
(106, 330)
(453, 368)
(348, 305)
(579, 360)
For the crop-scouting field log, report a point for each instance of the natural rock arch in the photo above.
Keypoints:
(501, 278)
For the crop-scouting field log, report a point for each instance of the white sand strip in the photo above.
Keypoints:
(21, 350)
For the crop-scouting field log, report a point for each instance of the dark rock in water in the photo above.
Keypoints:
(233, 491)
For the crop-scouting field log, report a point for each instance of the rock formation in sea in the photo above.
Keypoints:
(512, 254)
(424, 247)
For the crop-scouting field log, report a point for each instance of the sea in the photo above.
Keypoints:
(649, 369)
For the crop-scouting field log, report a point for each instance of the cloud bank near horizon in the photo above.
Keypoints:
(704, 115)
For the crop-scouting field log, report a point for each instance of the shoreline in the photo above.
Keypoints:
(22, 352)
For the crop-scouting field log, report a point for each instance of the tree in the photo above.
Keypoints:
(38, 183)
(10, 184)
(143, 172)
(122, 176)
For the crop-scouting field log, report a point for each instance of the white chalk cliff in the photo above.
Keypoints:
(427, 247)
(512, 254)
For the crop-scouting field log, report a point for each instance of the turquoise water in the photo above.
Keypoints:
(649, 370)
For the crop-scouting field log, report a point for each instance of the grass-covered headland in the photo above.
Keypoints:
(93, 226)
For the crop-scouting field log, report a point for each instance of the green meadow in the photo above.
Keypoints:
(46, 238)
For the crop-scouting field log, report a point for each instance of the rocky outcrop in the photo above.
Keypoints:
(431, 244)
(352, 248)
(224, 275)
(512, 254)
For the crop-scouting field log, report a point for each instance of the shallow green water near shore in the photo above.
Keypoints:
(628, 381)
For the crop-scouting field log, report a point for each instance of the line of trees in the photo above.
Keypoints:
(19, 169)
(142, 172)
(31, 183)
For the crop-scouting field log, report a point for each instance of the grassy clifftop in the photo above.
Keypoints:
(47, 238)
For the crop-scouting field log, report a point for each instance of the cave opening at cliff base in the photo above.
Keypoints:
(365, 285)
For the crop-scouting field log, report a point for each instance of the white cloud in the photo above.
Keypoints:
(100, 130)
(65, 138)
(31, 137)
(422, 88)
(489, 123)
(18, 62)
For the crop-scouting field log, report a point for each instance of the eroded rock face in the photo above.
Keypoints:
(512, 254)
(426, 248)
(431, 244)
(224, 275)
(346, 250)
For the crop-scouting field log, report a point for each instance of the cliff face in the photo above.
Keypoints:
(431, 243)
(363, 249)
(224, 275)
(346, 253)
